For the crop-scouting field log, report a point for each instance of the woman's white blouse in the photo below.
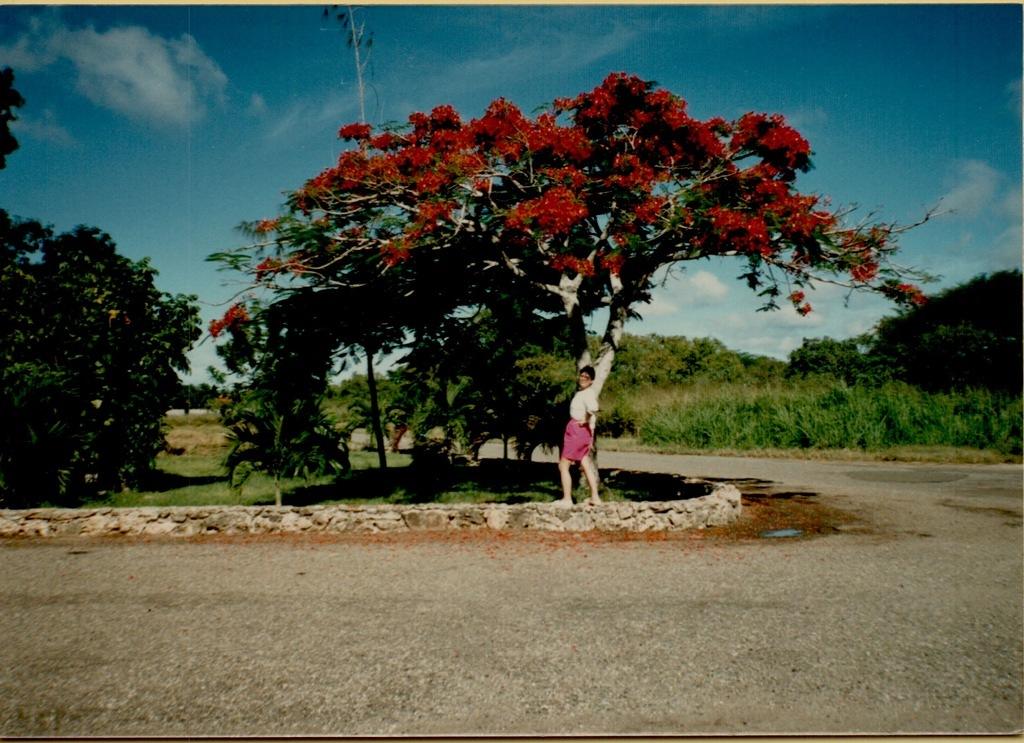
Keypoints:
(583, 404)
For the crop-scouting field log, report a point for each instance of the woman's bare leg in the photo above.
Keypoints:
(590, 471)
(563, 471)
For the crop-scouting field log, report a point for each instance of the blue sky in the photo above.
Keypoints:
(167, 126)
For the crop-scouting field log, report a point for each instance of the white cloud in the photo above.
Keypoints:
(784, 317)
(676, 289)
(561, 51)
(659, 306)
(808, 119)
(700, 288)
(127, 69)
(704, 286)
(528, 53)
(1010, 242)
(47, 129)
(1013, 94)
(257, 105)
(1008, 247)
(975, 183)
(131, 71)
(37, 48)
(313, 114)
(993, 240)
(1010, 206)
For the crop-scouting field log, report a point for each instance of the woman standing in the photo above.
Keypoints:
(579, 437)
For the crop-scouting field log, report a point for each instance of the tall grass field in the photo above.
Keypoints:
(827, 416)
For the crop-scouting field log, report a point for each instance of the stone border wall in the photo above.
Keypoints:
(721, 506)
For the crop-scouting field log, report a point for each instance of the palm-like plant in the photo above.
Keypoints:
(290, 439)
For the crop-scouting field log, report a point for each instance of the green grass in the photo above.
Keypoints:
(199, 480)
(897, 419)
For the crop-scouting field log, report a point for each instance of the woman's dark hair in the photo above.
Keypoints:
(589, 371)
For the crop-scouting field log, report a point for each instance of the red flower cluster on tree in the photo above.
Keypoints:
(355, 131)
(233, 319)
(385, 141)
(546, 137)
(431, 211)
(412, 160)
(911, 293)
(797, 299)
(649, 209)
(629, 172)
(502, 122)
(266, 225)
(612, 262)
(431, 182)
(554, 213)
(266, 268)
(607, 103)
(792, 215)
(571, 263)
(441, 118)
(864, 272)
(741, 231)
(775, 141)
(567, 176)
(394, 252)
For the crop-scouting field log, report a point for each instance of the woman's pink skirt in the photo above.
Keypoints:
(577, 440)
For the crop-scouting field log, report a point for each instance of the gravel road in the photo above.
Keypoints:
(911, 622)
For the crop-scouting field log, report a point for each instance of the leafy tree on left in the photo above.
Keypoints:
(89, 355)
(9, 100)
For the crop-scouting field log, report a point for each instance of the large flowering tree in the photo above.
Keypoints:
(579, 206)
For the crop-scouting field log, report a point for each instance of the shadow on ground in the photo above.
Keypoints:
(496, 481)
(765, 508)
(161, 481)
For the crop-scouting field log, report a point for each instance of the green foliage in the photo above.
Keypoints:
(499, 384)
(659, 361)
(966, 336)
(646, 364)
(543, 384)
(831, 415)
(761, 369)
(845, 360)
(9, 100)
(276, 420)
(299, 440)
(89, 356)
(349, 403)
(493, 374)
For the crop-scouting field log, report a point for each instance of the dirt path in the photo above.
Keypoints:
(906, 620)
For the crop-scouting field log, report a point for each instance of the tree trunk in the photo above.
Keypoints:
(378, 431)
(277, 490)
(609, 344)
